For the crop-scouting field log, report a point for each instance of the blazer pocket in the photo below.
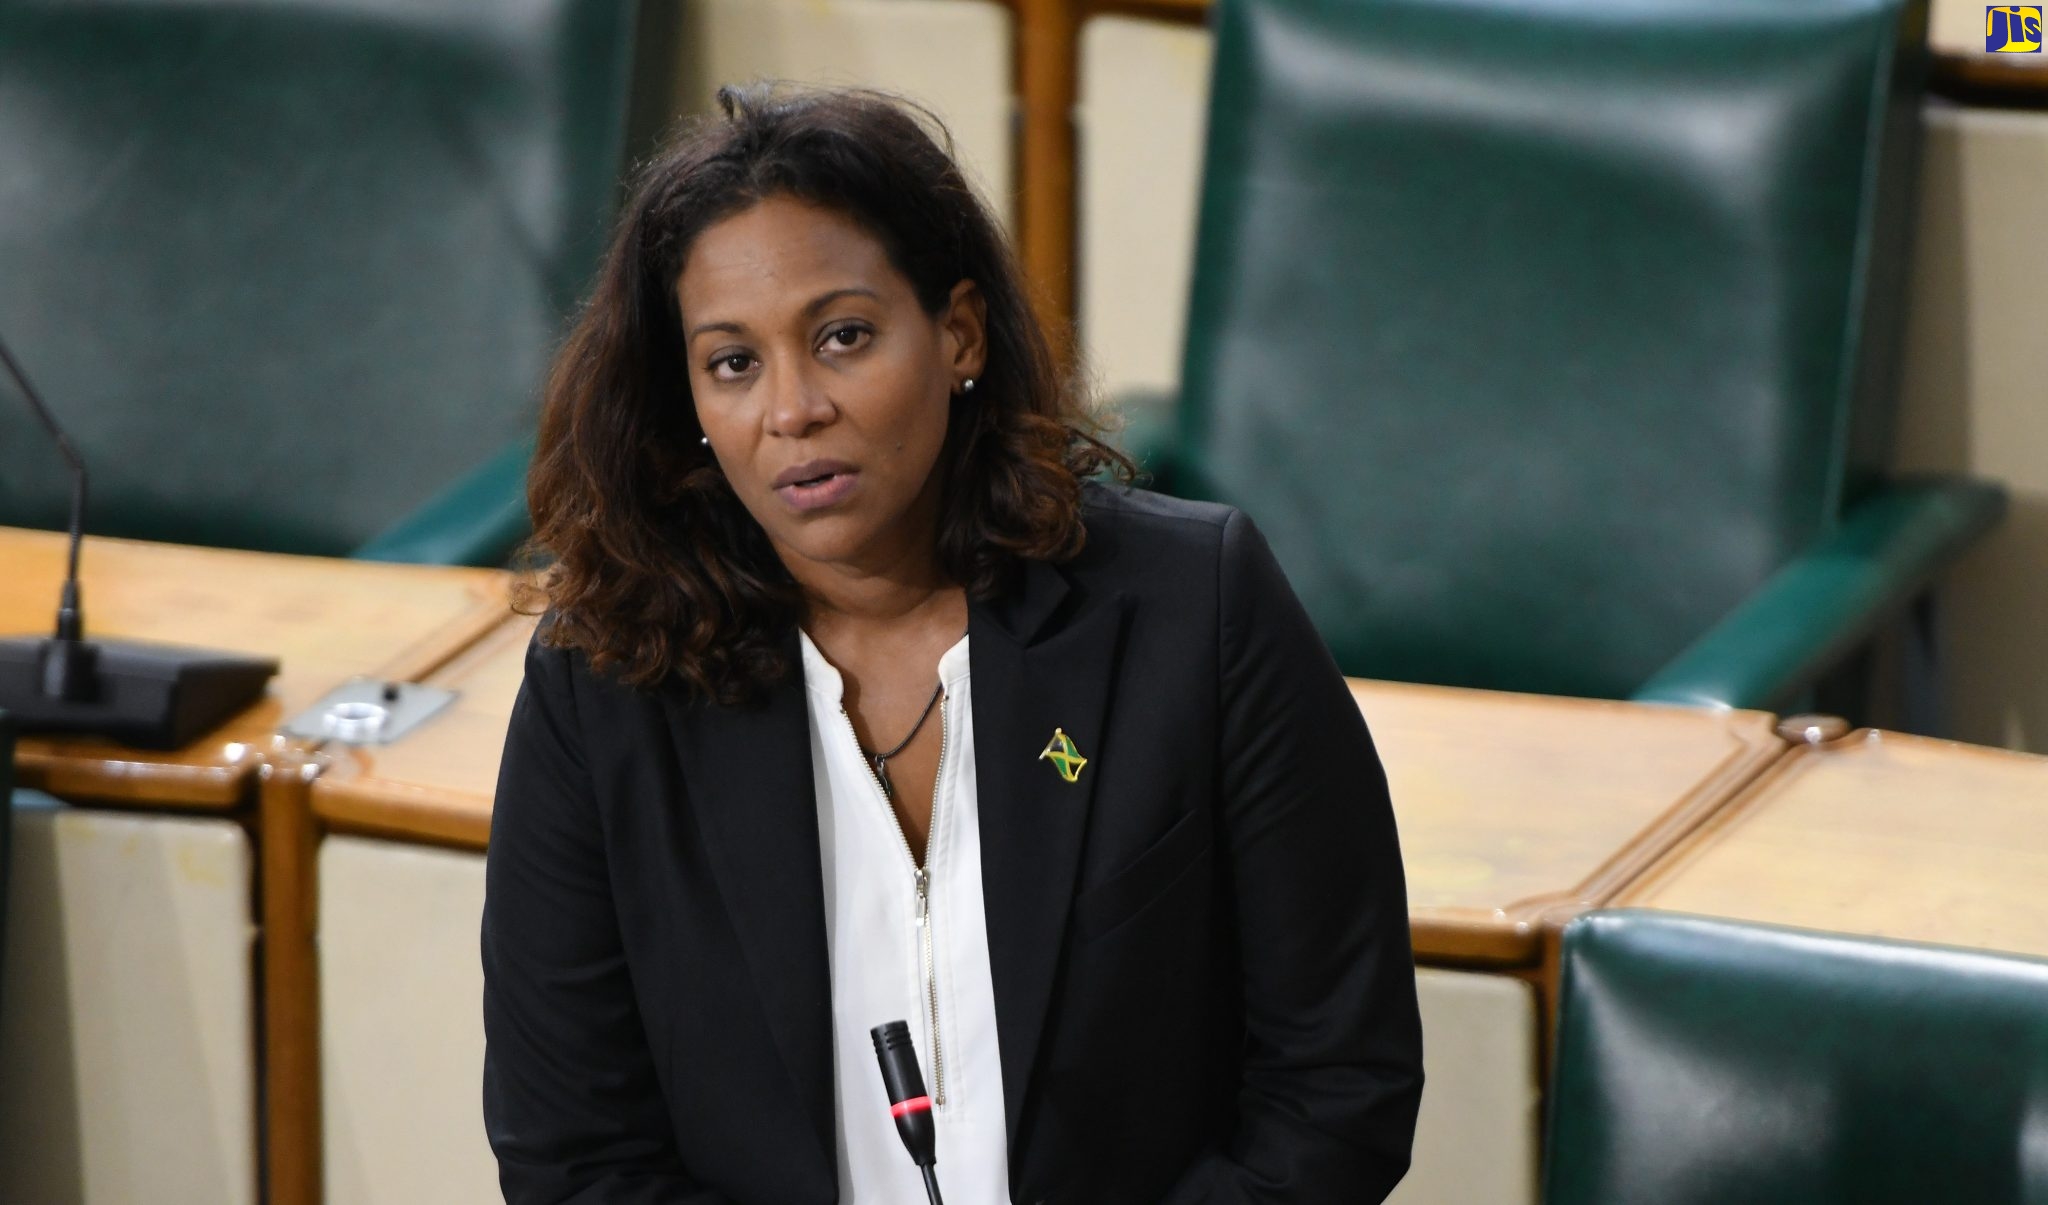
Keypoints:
(1123, 895)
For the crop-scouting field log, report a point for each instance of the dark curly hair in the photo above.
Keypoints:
(656, 567)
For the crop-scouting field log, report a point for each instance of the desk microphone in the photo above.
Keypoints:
(154, 696)
(908, 1103)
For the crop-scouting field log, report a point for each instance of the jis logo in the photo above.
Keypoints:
(2012, 29)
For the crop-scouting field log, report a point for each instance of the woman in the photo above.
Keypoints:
(857, 701)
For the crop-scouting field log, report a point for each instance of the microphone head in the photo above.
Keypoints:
(908, 1103)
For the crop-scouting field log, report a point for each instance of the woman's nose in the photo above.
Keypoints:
(797, 402)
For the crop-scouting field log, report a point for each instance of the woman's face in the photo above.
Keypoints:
(822, 384)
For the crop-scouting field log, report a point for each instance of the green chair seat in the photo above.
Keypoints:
(1704, 1062)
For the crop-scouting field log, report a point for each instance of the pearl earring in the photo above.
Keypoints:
(967, 386)
(706, 441)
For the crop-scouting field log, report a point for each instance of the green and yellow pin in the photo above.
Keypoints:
(1064, 757)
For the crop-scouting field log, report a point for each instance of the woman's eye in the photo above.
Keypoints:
(725, 368)
(846, 337)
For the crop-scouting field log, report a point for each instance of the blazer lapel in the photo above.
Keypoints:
(751, 790)
(1038, 666)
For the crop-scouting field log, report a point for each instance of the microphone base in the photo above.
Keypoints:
(151, 696)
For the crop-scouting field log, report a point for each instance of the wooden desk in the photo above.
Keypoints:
(1876, 834)
(1518, 810)
(324, 620)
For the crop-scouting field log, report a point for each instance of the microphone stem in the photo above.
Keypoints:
(931, 1184)
(70, 613)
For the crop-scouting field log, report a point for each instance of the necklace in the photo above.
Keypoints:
(881, 760)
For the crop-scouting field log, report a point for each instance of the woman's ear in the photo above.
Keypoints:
(965, 328)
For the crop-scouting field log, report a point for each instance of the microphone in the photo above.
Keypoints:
(908, 1103)
(154, 696)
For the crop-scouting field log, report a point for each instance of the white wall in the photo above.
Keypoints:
(1957, 26)
(1976, 399)
(1144, 92)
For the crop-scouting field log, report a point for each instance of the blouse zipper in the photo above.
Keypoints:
(921, 878)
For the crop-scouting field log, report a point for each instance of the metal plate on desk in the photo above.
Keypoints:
(370, 711)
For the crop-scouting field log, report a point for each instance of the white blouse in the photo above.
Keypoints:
(907, 946)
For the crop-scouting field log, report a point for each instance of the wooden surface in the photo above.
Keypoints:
(1517, 810)
(1877, 834)
(436, 785)
(325, 620)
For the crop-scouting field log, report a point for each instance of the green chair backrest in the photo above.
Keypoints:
(1537, 333)
(284, 269)
(1704, 1062)
(6, 829)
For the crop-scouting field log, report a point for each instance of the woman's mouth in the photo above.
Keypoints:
(818, 490)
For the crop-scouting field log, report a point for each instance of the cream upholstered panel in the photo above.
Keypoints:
(1976, 399)
(1476, 1142)
(401, 1024)
(1144, 89)
(127, 1015)
(952, 56)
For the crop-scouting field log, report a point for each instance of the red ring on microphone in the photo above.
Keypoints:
(916, 1104)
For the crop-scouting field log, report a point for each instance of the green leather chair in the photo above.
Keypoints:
(1704, 1062)
(8, 802)
(286, 270)
(1551, 342)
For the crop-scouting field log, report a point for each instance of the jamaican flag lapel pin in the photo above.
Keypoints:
(1064, 757)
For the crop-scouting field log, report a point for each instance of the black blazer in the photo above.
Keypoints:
(1203, 984)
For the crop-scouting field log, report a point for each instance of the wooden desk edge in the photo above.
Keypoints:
(216, 788)
(381, 809)
(1465, 942)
